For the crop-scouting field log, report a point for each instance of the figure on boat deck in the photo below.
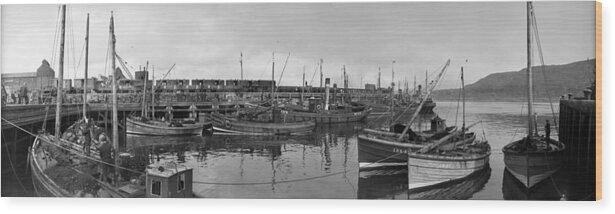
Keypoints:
(105, 149)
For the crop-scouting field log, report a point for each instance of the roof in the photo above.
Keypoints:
(19, 75)
(168, 169)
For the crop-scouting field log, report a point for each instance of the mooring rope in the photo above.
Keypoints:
(11, 163)
(206, 182)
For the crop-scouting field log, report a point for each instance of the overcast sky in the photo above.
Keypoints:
(205, 40)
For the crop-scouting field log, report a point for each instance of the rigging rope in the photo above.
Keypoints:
(201, 182)
(542, 61)
(71, 151)
(55, 37)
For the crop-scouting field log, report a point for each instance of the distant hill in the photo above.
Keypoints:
(511, 86)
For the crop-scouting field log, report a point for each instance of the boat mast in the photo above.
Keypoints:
(241, 63)
(530, 96)
(463, 94)
(272, 84)
(303, 85)
(392, 89)
(321, 61)
(60, 83)
(85, 78)
(153, 91)
(144, 103)
(114, 98)
(378, 78)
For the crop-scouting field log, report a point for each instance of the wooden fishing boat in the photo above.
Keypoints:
(389, 148)
(442, 162)
(231, 125)
(376, 145)
(533, 158)
(141, 126)
(325, 117)
(60, 168)
(536, 164)
(429, 169)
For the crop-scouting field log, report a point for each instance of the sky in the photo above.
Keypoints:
(205, 40)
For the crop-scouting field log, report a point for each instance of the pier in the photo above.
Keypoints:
(577, 129)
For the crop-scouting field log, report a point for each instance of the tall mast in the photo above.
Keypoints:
(414, 84)
(321, 72)
(144, 103)
(60, 76)
(303, 85)
(272, 85)
(530, 96)
(241, 63)
(114, 91)
(425, 79)
(85, 78)
(463, 94)
(392, 88)
(378, 78)
(153, 91)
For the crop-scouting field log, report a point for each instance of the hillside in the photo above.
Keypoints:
(511, 86)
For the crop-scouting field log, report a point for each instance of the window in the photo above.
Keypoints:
(181, 182)
(156, 187)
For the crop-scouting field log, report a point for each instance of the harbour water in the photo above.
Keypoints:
(324, 163)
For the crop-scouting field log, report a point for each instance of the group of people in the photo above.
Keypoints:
(82, 133)
(20, 96)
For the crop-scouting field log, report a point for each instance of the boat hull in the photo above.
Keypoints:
(44, 186)
(324, 117)
(140, 128)
(234, 126)
(377, 152)
(532, 168)
(426, 170)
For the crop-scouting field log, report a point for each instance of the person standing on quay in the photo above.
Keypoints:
(4, 95)
(23, 94)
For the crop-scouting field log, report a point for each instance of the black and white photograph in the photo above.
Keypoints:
(457, 100)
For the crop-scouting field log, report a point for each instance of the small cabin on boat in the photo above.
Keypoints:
(168, 180)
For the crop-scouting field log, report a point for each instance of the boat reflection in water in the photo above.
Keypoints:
(240, 166)
(552, 188)
(393, 184)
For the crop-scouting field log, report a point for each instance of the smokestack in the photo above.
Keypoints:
(327, 93)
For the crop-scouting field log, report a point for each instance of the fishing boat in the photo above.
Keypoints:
(230, 125)
(442, 161)
(60, 168)
(390, 148)
(251, 123)
(152, 126)
(337, 114)
(325, 111)
(144, 126)
(533, 158)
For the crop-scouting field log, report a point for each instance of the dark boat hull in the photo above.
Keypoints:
(530, 168)
(137, 127)
(325, 117)
(234, 126)
(381, 152)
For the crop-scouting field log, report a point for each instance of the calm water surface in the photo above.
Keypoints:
(324, 164)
